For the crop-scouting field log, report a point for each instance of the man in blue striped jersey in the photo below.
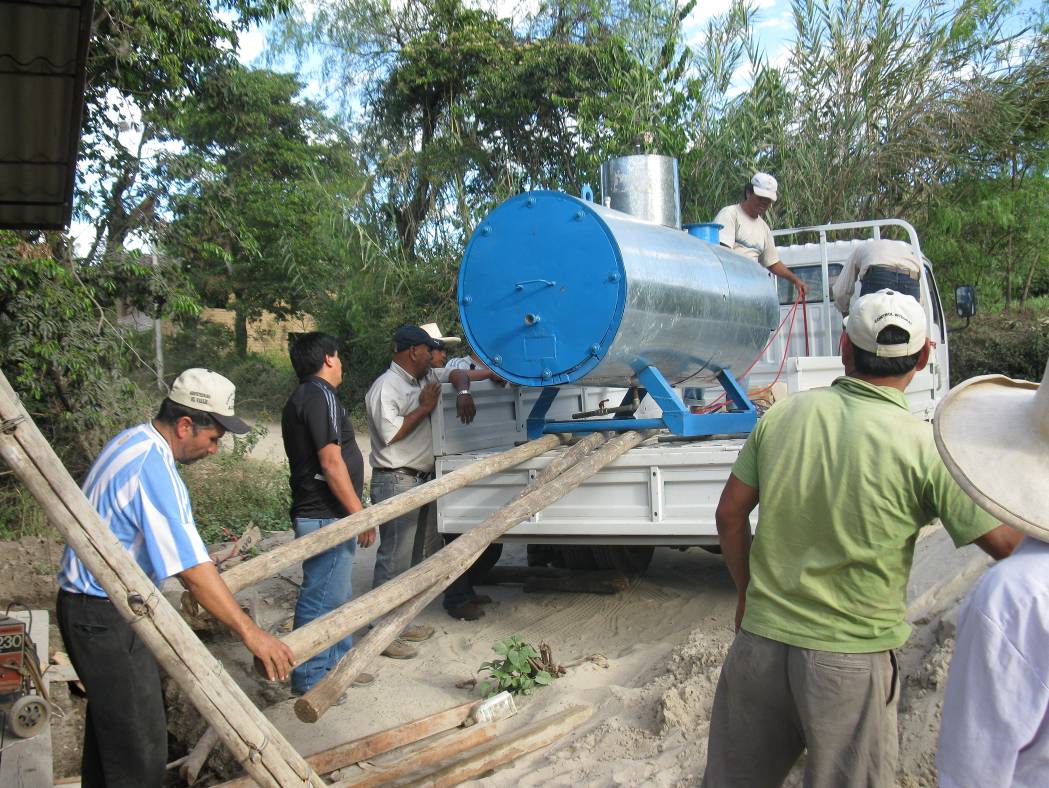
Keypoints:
(138, 493)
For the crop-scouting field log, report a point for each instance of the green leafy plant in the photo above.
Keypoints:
(519, 671)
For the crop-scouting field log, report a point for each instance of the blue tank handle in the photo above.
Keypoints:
(587, 193)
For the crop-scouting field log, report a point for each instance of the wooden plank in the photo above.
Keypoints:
(442, 749)
(26, 763)
(378, 743)
(508, 747)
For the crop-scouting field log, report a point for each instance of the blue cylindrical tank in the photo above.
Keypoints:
(553, 290)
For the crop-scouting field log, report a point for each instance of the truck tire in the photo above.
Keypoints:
(629, 561)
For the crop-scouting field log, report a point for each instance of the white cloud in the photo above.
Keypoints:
(250, 44)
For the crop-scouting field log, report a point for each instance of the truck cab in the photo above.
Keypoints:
(664, 492)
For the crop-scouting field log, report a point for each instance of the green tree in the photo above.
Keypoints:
(264, 174)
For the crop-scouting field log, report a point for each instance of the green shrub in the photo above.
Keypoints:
(231, 493)
(20, 514)
(1005, 344)
(518, 672)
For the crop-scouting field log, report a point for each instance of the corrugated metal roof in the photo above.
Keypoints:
(43, 46)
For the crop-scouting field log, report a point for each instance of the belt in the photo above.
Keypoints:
(893, 269)
(415, 474)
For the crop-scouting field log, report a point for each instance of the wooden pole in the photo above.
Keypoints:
(198, 756)
(298, 550)
(314, 703)
(450, 561)
(374, 744)
(508, 747)
(253, 740)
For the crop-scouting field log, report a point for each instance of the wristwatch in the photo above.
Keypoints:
(464, 391)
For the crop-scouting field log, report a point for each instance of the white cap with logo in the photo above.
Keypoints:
(875, 311)
(764, 185)
(210, 392)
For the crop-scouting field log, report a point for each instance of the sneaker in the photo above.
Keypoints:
(417, 633)
(401, 649)
(467, 611)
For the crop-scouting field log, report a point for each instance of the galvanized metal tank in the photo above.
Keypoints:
(554, 289)
(644, 185)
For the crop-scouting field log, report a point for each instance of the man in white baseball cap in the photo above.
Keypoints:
(846, 477)
(993, 435)
(744, 230)
(138, 493)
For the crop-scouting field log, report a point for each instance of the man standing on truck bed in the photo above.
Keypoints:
(744, 231)
(878, 265)
(846, 478)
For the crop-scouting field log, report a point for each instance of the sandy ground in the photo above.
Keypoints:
(663, 640)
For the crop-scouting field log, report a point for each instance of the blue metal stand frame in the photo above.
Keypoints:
(676, 417)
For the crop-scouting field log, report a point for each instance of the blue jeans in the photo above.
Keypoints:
(878, 277)
(396, 537)
(326, 584)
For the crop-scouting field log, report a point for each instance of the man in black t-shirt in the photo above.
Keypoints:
(327, 477)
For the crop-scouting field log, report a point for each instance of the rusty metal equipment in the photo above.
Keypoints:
(23, 693)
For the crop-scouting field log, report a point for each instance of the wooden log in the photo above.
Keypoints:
(268, 564)
(453, 559)
(314, 703)
(503, 750)
(444, 748)
(373, 744)
(189, 770)
(253, 740)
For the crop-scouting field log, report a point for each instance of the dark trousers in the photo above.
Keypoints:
(125, 738)
(461, 590)
(878, 277)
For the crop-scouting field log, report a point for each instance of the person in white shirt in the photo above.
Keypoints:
(993, 434)
(745, 232)
(878, 265)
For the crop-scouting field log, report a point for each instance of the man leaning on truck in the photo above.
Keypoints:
(745, 231)
(846, 478)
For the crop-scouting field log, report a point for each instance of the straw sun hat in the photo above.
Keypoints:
(993, 435)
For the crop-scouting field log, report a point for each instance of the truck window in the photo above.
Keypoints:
(811, 275)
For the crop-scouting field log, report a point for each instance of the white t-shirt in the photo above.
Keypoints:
(746, 236)
(995, 728)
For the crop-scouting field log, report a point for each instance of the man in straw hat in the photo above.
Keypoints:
(993, 435)
(846, 478)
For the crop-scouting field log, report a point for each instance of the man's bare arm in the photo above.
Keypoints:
(999, 542)
(208, 588)
(733, 521)
(780, 270)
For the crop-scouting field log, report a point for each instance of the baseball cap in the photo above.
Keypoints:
(875, 311)
(410, 336)
(210, 392)
(764, 185)
(435, 332)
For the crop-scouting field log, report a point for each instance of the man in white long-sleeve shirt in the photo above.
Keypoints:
(993, 434)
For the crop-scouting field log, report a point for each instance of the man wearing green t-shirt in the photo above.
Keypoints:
(846, 477)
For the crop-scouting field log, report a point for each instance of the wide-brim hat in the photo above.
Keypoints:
(993, 434)
(435, 332)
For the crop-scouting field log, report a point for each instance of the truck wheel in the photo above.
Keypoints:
(629, 561)
(28, 716)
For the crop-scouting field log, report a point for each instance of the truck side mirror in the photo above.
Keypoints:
(965, 301)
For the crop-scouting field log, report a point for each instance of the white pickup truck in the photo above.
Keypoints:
(665, 492)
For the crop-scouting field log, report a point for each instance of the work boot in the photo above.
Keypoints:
(401, 649)
(467, 611)
(416, 633)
